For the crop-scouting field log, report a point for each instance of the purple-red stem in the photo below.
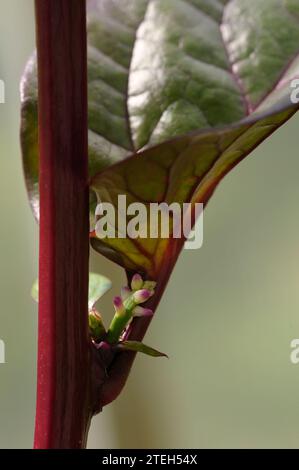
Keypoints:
(73, 383)
(63, 385)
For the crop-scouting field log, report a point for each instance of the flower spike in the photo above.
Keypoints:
(127, 307)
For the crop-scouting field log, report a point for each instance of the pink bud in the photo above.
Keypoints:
(142, 312)
(142, 295)
(136, 282)
(118, 305)
(104, 346)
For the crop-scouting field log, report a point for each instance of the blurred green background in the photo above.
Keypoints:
(226, 320)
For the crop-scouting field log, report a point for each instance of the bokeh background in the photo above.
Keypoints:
(226, 321)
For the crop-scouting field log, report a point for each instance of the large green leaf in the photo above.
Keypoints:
(179, 92)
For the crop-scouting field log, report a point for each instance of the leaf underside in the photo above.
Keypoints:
(180, 91)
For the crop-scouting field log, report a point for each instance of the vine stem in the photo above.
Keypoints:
(63, 385)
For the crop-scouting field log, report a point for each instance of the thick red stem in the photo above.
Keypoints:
(63, 385)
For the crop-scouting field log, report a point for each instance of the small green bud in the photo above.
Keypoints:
(150, 285)
(142, 295)
(96, 326)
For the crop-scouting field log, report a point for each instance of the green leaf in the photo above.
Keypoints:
(185, 170)
(98, 286)
(180, 91)
(140, 347)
